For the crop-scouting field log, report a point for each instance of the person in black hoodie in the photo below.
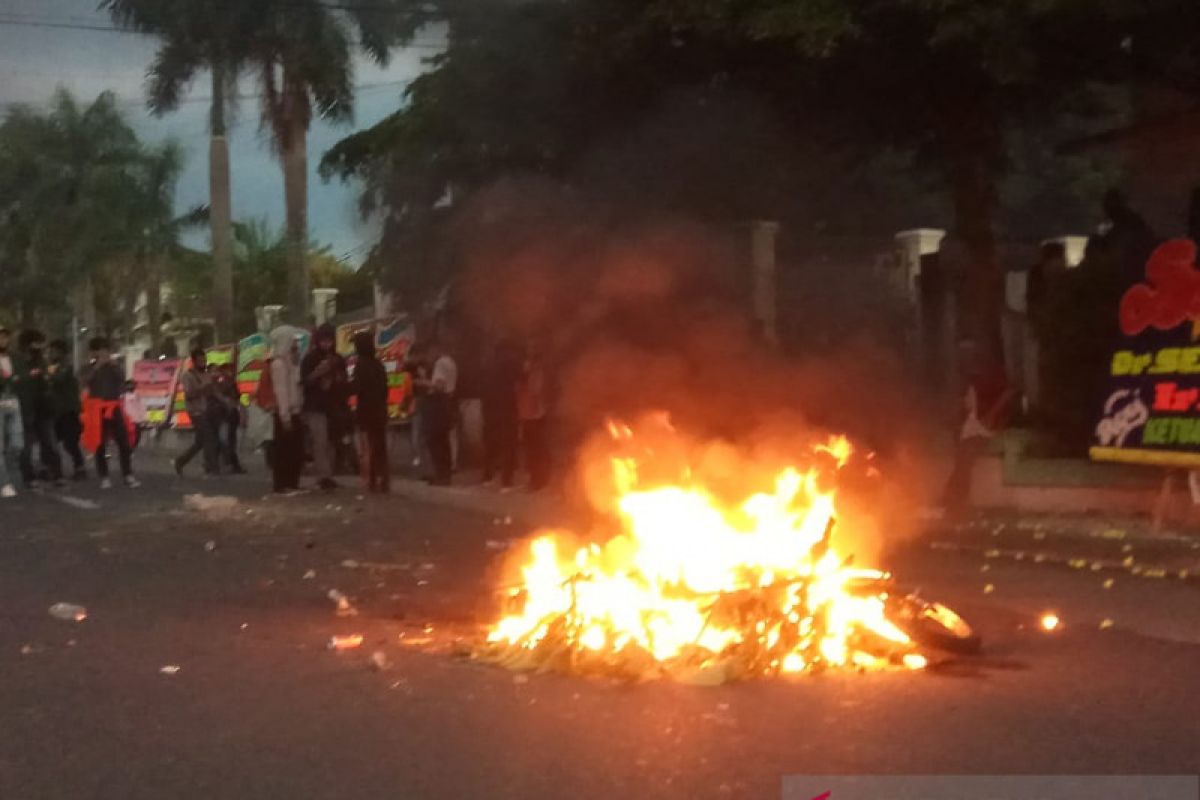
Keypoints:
(105, 381)
(64, 394)
(323, 374)
(370, 387)
(37, 410)
(501, 423)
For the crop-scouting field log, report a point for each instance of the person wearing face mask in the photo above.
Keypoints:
(12, 435)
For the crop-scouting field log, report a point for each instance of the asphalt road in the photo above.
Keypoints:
(259, 708)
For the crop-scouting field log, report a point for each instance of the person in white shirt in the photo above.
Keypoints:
(285, 405)
(443, 412)
(12, 433)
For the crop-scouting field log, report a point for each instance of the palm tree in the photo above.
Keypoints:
(303, 51)
(197, 35)
(65, 176)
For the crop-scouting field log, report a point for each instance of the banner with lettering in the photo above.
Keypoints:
(1151, 407)
(154, 384)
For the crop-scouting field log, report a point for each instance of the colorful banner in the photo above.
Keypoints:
(1151, 408)
(252, 353)
(154, 384)
(392, 342)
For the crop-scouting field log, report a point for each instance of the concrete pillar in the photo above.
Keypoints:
(383, 302)
(268, 317)
(324, 305)
(911, 246)
(764, 301)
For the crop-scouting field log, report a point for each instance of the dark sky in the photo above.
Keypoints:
(35, 57)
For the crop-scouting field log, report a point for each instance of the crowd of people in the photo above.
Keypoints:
(315, 407)
(44, 405)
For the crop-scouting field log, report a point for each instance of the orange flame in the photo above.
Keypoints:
(698, 588)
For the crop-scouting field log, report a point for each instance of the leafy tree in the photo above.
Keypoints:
(535, 86)
(260, 275)
(71, 181)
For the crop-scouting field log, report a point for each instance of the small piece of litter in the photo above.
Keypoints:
(989, 589)
(345, 642)
(210, 545)
(308, 576)
(68, 612)
(379, 661)
(170, 669)
(1106, 624)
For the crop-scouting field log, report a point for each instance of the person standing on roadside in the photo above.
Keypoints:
(197, 399)
(227, 416)
(370, 387)
(284, 397)
(440, 413)
(323, 375)
(533, 405)
(501, 423)
(37, 411)
(64, 397)
(105, 384)
(12, 433)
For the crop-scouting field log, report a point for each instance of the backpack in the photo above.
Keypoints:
(265, 396)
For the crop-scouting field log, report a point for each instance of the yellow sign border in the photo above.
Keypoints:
(1153, 458)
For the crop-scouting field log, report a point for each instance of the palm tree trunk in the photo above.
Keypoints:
(295, 189)
(154, 306)
(220, 211)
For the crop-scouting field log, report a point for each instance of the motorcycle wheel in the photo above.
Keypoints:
(936, 626)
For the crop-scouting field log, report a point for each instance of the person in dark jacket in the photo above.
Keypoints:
(105, 383)
(226, 411)
(37, 410)
(323, 375)
(370, 387)
(64, 396)
(501, 422)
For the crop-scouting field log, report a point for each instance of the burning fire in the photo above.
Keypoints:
(701, 589)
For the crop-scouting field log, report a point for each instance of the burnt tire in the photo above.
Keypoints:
(937, 627)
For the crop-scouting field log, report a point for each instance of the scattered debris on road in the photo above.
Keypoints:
(344, 607)
(68, 612)
(349, 642)
(215, 506)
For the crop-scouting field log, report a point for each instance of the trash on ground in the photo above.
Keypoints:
(170, 669)
(344, 607)
(210, 545)
(68, 612)
(345, 642)
(212, 505)
(379, 661)
(308, 576)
